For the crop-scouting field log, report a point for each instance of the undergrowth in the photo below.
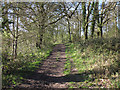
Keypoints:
(15, 71)
(67, 67)
(99, 59)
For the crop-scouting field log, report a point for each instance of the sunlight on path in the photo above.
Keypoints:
(50, 74)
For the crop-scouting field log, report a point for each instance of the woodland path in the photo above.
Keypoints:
(50, 74)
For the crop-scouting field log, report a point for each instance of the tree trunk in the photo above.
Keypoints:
(94, 19)
(92, 28)
(16, 39)
(40, 37)
(101, 26)
(116, 30)
(80, 29)
(69, 31)
(84, 16)
(13, 44)
(86, 33)
(119, 18)
(39, 42)
(101, 32)
(15, 49)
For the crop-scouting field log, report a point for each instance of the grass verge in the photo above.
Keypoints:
(98, 60)
(16, 71)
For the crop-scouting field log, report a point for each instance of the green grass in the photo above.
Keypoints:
(15, 71)
(99, 58)
(67, 67)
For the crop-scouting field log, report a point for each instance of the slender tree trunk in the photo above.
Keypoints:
(107, 27)
(101, 32)
(79, 24)
(16, 39)
(93, 28)
(119, 18)
(94, 19)
(118, 14)
(13, 52)
(79, 29)
(101, 26)
(98, 20)
(86, 33)
(15, 49)
(101, 22)
(84, 16)
(69, 31)
(116, 30)
(86, 25)
(5, 26)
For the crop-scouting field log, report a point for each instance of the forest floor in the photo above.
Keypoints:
(50, 74)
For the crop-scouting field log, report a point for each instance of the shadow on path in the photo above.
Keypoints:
(50, 74)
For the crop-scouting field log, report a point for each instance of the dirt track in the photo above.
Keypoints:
(50, 74)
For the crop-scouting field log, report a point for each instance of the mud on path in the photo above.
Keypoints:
(50, 74)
